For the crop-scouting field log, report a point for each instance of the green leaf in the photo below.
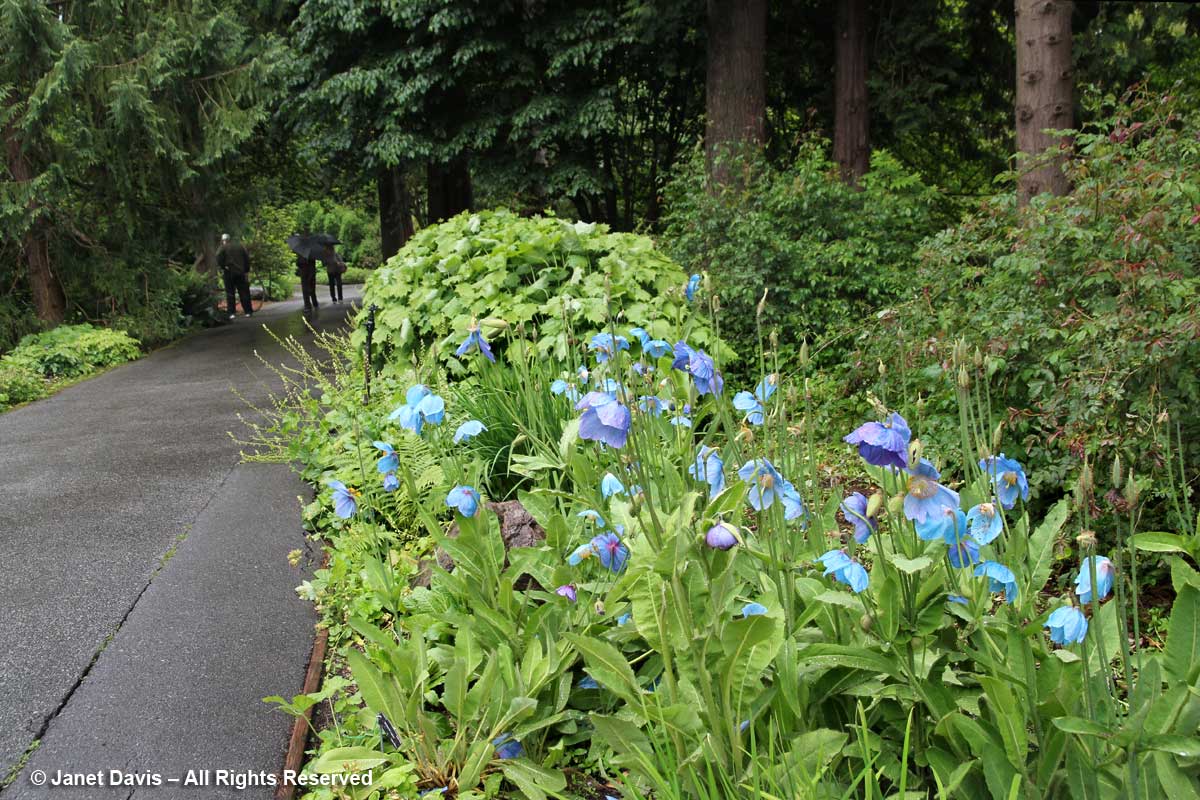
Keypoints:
(348, 759)
(622, 736)
(1080, 726)
(533, 780)
(817, 656)
(606, 664)
(750, 644)
(1183, 635)
(1160, 542)
(1182, 746)
(378, 692)
(910, 565)
(1041, 548)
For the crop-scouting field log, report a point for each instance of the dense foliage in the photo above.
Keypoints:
(826, 255)
(555, 281)
(68, 352)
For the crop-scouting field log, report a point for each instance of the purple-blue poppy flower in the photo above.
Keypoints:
(793, 504)
(721, 536)
(1000, 579)
(753, 610)
(592, 516)
(709, 468)
(957, 598)
(610, 484)
(693, 285)
(612, 553)
(606, 346)
(925, 496)
(883, 444)
(948, 524)
(468, 430)
(1007, 477)
(604, 419)
(390, 482)
(625, 618)
(587, 550)
(656, 348)
(765, 482)
(507, 747)
(566, 590)
(1067, 625)
(475, 340)
(700, 366)
(345, 499)
(854, 508)
(681, 421)
(641, 335)
(1104, 578)
(984, 523)
(649, 404)
(390, 461)
(561, 387)
(421, 406)
(845, 570)
(587, 682)
(465, 499)
(748, 404)
(963, 553)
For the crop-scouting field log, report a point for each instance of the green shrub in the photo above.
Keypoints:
(552, 280)
(19, 385)
(71, 351)
(1083, 307)
(828, 254)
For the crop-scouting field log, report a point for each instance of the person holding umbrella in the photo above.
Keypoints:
(310, 248)
(234, 262)
(306, 268)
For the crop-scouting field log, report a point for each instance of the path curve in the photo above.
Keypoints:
(147, 601)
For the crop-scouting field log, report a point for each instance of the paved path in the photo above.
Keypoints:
(146, 599)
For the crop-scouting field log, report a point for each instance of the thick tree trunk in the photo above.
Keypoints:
(736, 84)
(395, 210)
(449, 187)
(49, 301)
(1045, 86)
(851, 131)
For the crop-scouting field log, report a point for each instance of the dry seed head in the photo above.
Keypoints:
(1086, 540)
(762, 304)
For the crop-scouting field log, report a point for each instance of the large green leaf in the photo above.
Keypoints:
(749, 645)
(378, 691)
(1041, 547)
(606, 664)
(1182, 652)
(532, 780)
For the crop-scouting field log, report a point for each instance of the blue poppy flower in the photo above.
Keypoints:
(468, 430)
(561, 387)
(605, 346)
(854, 508)
(625, 618)
(753, 610)
(465, 499)
(610, 484)
(567, 591)
(681, 421)
(390, 461)
(649, 404)
(925, 496)
(883, 444)
(845, 570)
(766, 387)
(709, 468)
(507, 747)
(984, 523)
(1007, 477)
(721, 536)
(957, 598)
(963, 553)
(949, 525)
(1104, 578)
(390, 482)
(765, 482)
(657, 348)
(475, 340)
(580, 553)
(592, 516)
(612, 553)
(1067, 625)
(793, 504)
(604, 419)
(748, 404)
(700, 366)
(421, 406)
(345, 499)
(1000, 579)
(587, 682)
(693, 285)
(641, 335)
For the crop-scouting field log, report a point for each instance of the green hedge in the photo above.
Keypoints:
(64, 353)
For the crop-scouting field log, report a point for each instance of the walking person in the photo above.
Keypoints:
(334, 269)
(234, 262)
(306, 268)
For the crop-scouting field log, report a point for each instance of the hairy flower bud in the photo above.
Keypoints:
(762, 304)
(896, 505)
(915, 450)
(882, 369)
(978, 359)
(997, 435)
(804, 353)
(1131, 489)
(1115, 475)
(874, 505)
(964, 380)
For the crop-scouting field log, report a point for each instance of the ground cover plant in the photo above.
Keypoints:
(69, 352)
(703, 607)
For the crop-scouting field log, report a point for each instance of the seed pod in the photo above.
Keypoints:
(865, 622)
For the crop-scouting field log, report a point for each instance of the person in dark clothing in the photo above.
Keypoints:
(334, 269)
(234, 262)
(306, 268)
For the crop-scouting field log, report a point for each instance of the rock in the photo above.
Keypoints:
(518, 528)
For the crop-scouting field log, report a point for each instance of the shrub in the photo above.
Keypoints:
(70, 351)
(548, 278)
(1083, 307)
(828, 254)
(19, 385)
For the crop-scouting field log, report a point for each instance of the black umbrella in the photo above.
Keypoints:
(313, 246)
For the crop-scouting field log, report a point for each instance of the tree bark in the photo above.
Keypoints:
(736, 84)
(49, 301)
(449, 187)
(395, 210)
(851, 119)
(1045, 85)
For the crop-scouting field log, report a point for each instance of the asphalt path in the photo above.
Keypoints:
(147, 600)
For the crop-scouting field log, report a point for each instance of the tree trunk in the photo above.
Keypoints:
(395, 210)
(736, 84)
(207, 262)
(1044, 93)
(449, 187)
(49, 301)
(851, 130)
